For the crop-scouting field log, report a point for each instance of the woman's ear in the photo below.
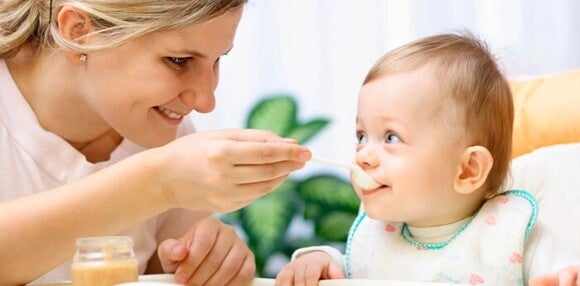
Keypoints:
(74, 25)
(476, 164)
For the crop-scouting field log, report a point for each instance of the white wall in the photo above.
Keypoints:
(320, 50)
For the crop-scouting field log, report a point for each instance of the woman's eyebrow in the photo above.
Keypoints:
(199, 54)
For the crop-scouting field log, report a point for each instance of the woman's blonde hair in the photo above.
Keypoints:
(468, 72)
(33, 22)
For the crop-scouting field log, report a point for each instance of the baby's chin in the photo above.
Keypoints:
(378, 213)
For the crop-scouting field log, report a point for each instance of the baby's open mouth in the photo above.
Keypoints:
(374, 190)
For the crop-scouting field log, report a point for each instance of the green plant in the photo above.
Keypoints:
(325, 202)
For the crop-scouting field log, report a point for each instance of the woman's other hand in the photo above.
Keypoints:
(210, 253)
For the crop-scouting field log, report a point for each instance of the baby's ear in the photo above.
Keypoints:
(475, 165)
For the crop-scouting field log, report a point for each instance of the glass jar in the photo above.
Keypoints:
(104, 261)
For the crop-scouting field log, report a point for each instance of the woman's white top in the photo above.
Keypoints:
(33, 160)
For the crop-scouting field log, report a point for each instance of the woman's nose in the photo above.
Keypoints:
(199, 94)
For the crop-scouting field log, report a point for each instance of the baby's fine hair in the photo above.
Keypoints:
(33, 22)
(467, 71)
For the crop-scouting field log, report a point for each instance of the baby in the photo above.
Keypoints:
(434, 128)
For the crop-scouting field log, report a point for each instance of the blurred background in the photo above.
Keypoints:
(320, 50)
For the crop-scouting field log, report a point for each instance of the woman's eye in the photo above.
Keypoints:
(181, 62)
(392, 138)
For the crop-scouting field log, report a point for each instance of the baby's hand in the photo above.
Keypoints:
(566, 277)
(308, 269)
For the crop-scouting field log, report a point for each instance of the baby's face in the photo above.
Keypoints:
(410, 138)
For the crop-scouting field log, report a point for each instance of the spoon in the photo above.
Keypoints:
(359, 176)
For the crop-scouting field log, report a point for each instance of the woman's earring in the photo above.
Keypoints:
(83, 57)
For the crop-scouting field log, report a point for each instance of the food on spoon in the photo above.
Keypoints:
(362, 179)
(359, 176)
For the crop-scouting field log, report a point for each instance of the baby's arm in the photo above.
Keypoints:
(550, 261)
(309, 265)
(566, 277)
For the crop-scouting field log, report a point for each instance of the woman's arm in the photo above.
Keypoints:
(39, 231)
(211, 171)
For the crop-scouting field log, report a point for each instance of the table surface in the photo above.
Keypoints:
(167, 280)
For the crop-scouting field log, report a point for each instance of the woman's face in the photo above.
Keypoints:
(144, 88)
(410, 139)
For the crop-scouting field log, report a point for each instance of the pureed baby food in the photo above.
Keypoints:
(104, 261)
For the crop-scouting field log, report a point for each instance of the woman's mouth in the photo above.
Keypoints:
(168, 113)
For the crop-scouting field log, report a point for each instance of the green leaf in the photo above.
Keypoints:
(303, 132)
(312, 210)
(266, 220)
(329, 191)
(334, 226)
(275, 113)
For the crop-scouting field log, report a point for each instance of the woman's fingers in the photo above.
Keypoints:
(249, 174)
(235, 266)
(253, 135)
(254, 153)
(217, 256)
(223, 171)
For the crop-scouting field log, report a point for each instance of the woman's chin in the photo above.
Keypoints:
(154, 142)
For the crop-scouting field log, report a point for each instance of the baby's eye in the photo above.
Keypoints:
(392, 138)
(177, 61)
(361, 138)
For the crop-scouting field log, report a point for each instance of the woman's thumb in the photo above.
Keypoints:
(171, 252)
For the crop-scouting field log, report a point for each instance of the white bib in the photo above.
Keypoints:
(487, 250)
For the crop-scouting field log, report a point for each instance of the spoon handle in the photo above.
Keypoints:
(332, 163)
(359, 176)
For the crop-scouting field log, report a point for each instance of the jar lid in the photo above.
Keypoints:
(104, 247)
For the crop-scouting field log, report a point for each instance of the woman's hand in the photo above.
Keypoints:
(222, 171)
(209, 254)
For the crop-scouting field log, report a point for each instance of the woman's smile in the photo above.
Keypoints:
(170, 116)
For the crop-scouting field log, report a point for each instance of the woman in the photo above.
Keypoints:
(93, 135)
